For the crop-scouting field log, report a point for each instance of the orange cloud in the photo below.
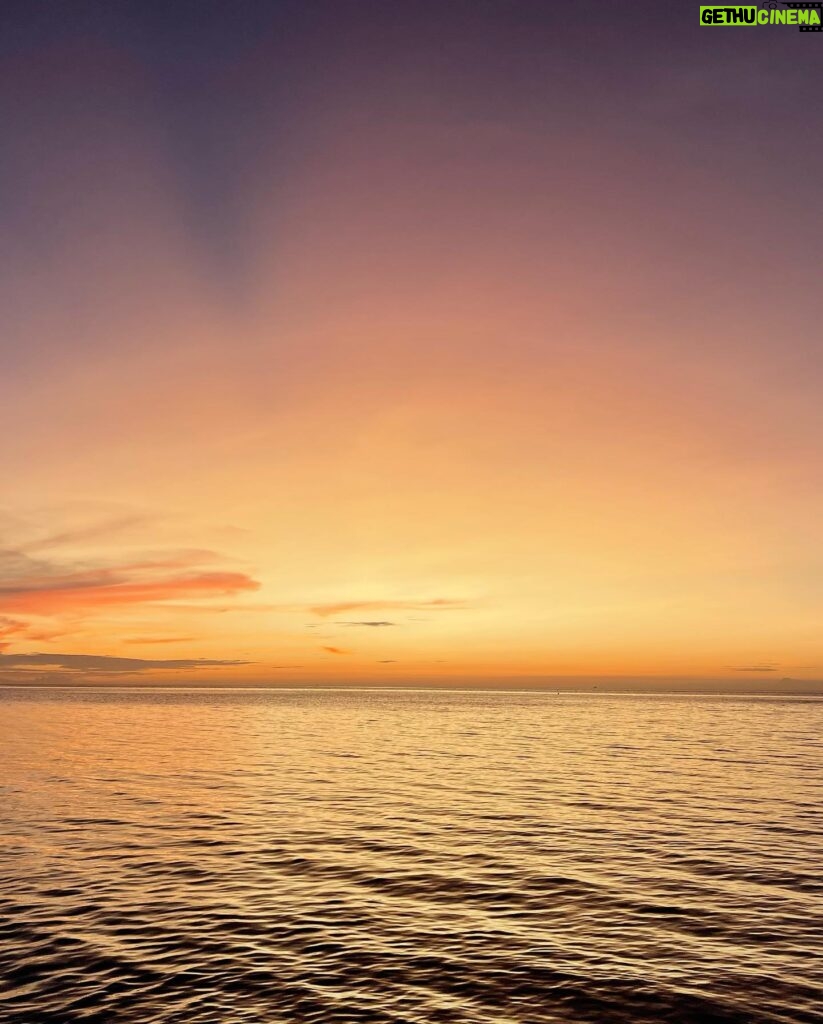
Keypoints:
(18, 630)
(36, 590)
(103, 588)
(335, 650)
(350, 606)
(10, 628)
(158, 639)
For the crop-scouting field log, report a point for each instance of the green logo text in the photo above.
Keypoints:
(754, 16)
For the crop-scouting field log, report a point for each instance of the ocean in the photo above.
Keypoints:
(409, 857)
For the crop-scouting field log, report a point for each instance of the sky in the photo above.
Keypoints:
(409, 343)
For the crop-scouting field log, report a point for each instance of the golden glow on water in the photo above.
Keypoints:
(352, 856)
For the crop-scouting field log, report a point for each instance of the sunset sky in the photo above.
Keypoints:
(409, 342)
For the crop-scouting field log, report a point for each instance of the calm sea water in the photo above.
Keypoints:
(415, 857)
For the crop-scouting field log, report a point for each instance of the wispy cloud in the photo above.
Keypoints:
(87, 533)
(436, 604)
(761, 667)
(158, 639)
(221, 609)
(335, 650)
(45, 593)
(365, 623)
(99, 588)
(9, 630)
(103, 663)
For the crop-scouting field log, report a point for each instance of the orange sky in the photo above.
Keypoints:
(470, 386)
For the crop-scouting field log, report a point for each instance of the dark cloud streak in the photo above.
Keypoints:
(104, 663)
(365, 623)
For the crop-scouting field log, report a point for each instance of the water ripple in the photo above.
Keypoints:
(409, 858)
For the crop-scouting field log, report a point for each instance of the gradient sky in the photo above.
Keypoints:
(408, 342)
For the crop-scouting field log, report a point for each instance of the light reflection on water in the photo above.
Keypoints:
(409, 856)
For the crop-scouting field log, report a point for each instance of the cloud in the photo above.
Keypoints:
(43, 596)
(53, 593)
(436, 604)
(323, 625)
(365, 623)
(387, 661)
(766, 667)
(335, 650)
(104, 663)
(87, 533)
(158, 639)
(15, 562)
(10, 628)
(220, 609)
